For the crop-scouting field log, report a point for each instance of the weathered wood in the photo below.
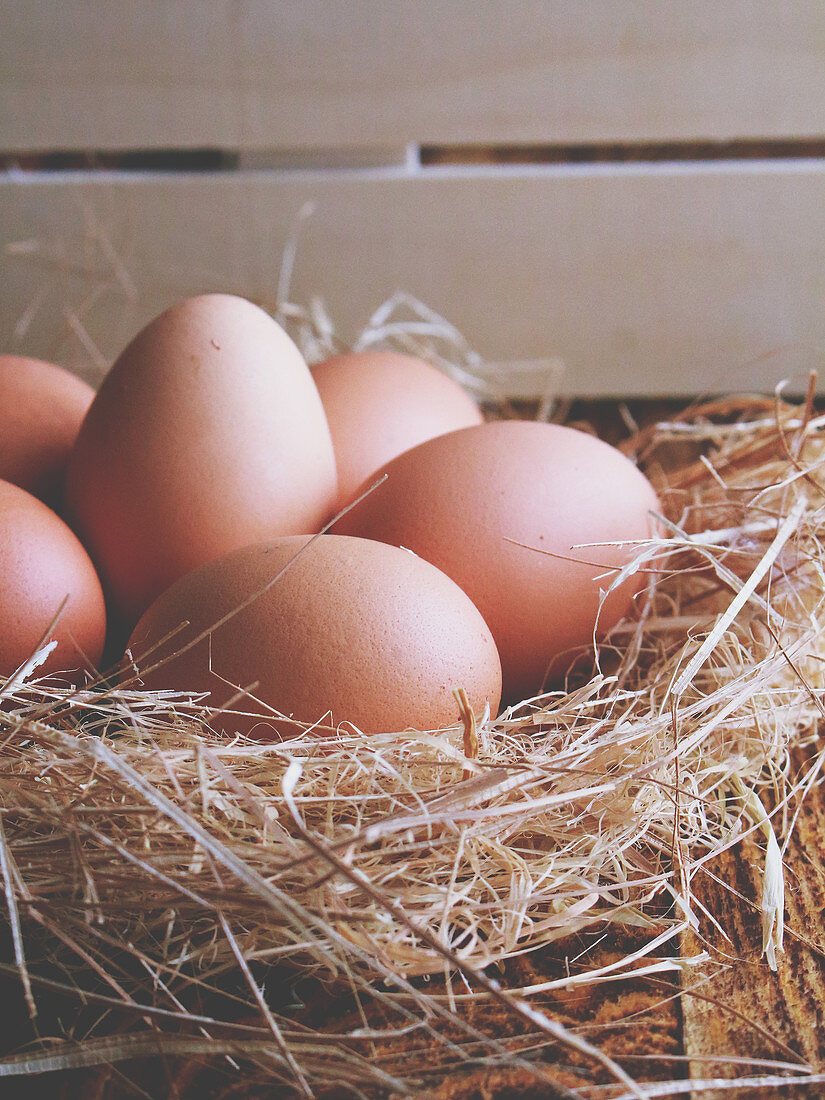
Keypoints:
(753, 1012)
(636, 1022)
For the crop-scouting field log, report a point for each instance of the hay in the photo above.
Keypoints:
(131, 832)
(150, 866)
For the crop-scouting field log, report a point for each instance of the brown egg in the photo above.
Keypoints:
(467, 500)
(353, 631)
(381, 403)
(41, 565)
(41, 409)
(207, 434)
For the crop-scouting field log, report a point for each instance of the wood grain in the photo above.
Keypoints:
(788, 1006)
(106, 74)
(633, 1021)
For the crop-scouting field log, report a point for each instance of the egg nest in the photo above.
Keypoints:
(200, 887)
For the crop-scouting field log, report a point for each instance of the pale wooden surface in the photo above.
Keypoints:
(646, 280)
(249, 73)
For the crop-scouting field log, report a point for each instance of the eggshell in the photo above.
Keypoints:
(381, 403)
(367, 633)
(41, 565)
(467, 500)
(207, 434)
(42, 409)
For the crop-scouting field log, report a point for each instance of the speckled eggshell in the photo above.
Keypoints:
(466, 500)
(352, 632)
(380, 404)
(41, 410)
(42, 563)
(207, 434)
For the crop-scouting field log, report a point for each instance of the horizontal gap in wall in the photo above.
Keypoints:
(626, 152)
(133, 160)
(229, 160)
(209, 159)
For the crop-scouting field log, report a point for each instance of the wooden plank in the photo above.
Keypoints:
(634, 1021)
(645, 280)
(777, 1015)
(108, 74)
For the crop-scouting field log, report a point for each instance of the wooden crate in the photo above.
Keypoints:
(658, 220)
